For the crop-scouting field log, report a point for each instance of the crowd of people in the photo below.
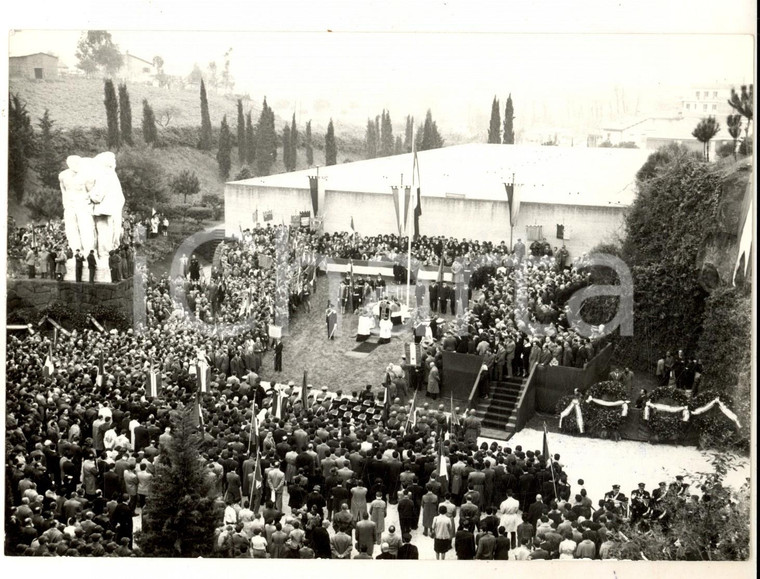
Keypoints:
(83, 439)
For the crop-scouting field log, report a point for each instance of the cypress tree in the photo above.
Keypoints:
(331, 148)
(112, 115)
(309, 148)
(225, 149)
(49, 163)
(206, 138)
(509, 115)
(150, 134)
(179, 518)
(370, 144)
(241, 133)
(494, 127)
(428, 136)
(125, 115)
(294, 143)
(265, 141)
(386, 135)
(408, 134)
(250, 140)
(286, 155)
(398, 147)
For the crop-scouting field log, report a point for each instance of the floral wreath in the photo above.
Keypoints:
(711, 413)
(606, 405)
(666, 419)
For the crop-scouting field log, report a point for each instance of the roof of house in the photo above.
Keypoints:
(128, 55)
(558, 175)
(33, 54)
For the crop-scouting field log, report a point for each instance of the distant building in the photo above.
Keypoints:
(39, 66)
(654, 132)
(701, 101)
(136, 69)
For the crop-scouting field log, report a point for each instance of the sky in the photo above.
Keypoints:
(351, 64)
(355, 75)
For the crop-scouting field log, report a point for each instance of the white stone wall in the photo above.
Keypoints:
(462, 218)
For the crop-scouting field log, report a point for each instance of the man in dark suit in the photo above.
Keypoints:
(464, 542)
(121, 519)
(407, 550)
(92, 265)
(535, 511)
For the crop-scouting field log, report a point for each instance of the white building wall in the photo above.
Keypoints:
(375, 214)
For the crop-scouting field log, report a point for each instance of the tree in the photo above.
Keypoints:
(408, 134)
(734, 123)
(161, 76)
(743, 103)
(386, 135)
(294, 143)
(44, 203)
(112, 115)
(331, 149)
(217, 204)
(180, 518)
(150, 133)
(142, 180)
(48, 161)
(250, 140)
(20, 145)
(212, 75)
(705, 130)
(97, 52)
(309, 148)
(196, 75)
(185, 183)
(287, 158)
(663, 157)
(370, 140)
(398, 146)
(206, 137)
(241, 139)
(428, 136)
(509, 116)
(225, 150)
(494, 127)
(125, 115)
(266, 140)
(227, 80)
(166, 113)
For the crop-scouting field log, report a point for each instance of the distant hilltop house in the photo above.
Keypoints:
(137, 70)
(38, 66)
(651, 133)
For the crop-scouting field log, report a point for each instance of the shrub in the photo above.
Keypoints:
(601, 419)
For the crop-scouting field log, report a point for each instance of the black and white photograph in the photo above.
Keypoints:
(441, 282)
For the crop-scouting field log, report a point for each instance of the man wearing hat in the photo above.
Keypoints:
(640, 498)
(679, 488)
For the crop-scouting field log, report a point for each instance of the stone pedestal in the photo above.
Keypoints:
(102, 273)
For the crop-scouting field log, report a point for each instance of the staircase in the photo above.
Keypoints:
(498, 411)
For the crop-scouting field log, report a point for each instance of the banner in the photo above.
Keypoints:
(623, 403)
(723, 408)
(314, 190)
(575, 405)
(684, 410)
(407, 198)
(398, 209)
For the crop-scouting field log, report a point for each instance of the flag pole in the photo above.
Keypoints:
(551, 463)
(409, 237)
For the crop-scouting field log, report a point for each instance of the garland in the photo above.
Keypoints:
(714, 423)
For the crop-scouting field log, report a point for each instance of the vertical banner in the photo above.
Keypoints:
(407, 197)
(314, 189)
(395, 191)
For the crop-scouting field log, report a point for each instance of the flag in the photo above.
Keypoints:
(197, 413)
(48, 368)
(545, 449)
(203, 375)
(411, 414)
(387, 402)
(253, 437)
(442, 471)
(277, 401)
(304, 392)
(417, 214)
(55, 337)
(513, 201)
(439, 279)
(407, 196)
(154, 384)
(101, 369)
(454, 417)
(351, 272)
(257, 486)
(395, 191)
(314, 190)
(353, 229)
